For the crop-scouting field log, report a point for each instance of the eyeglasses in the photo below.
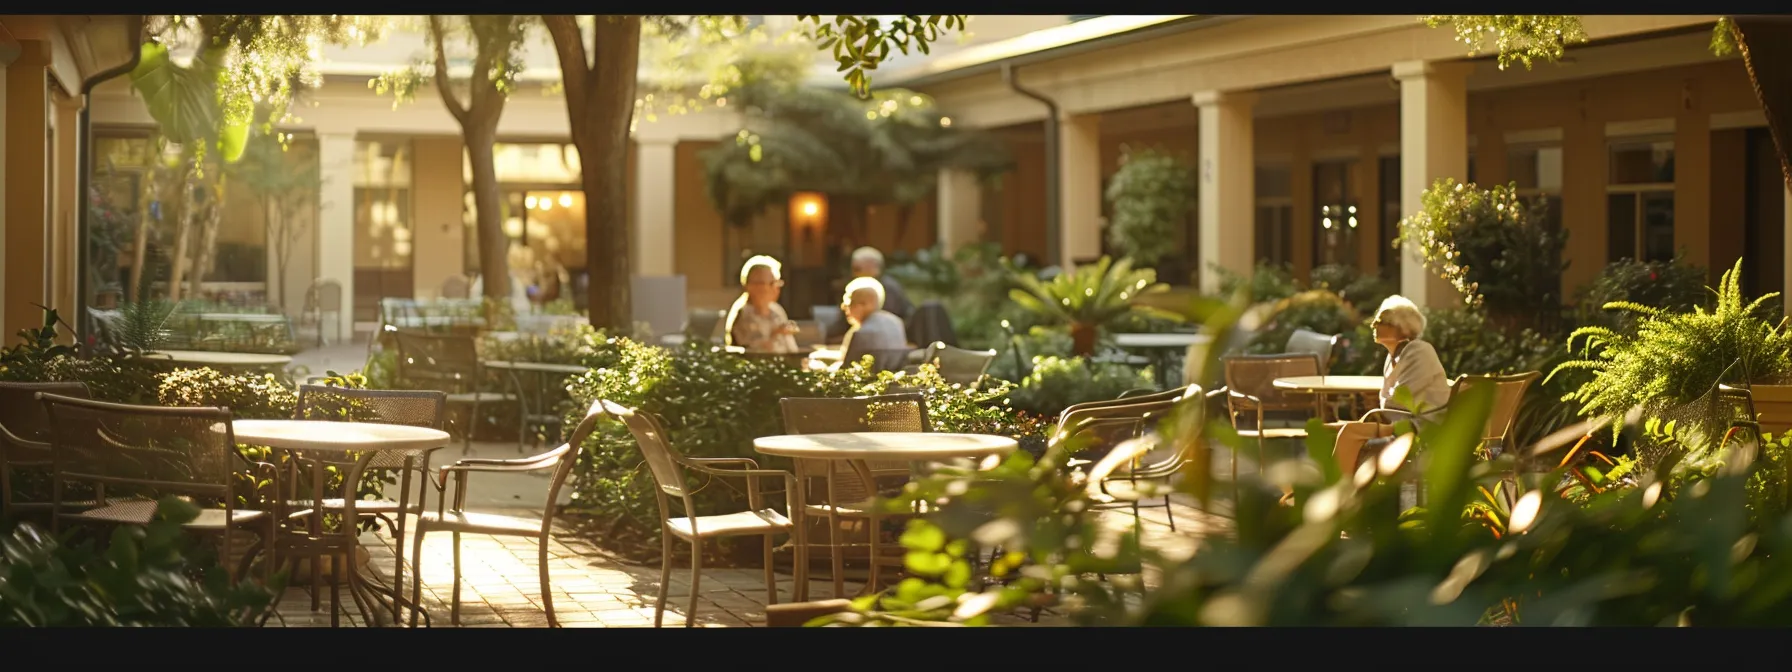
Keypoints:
(775, 283)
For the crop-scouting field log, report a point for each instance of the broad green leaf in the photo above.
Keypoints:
(1448, 448)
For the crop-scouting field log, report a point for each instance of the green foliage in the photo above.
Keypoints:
(24, 361)
(1674, 358)
(1314, 310)
(560, 347)
(150, 576)
(1092, 295)
(1268, 282)
(1058, 382)
(972, 284)
(1517, 38)
(1675, 286)
(247, 396)
(1150, 194)
(1363, 292)
(860, 43)
(1490, 245)
(141, 326)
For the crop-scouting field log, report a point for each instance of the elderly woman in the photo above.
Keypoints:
(756, 321)
(1411, 364)
(874, 329)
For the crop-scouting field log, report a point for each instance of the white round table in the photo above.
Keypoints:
(342, 438)
(892, 446)
(247, 360)
(1163, 348)
(1323, 386)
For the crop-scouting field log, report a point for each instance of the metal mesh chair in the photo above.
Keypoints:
(1107, 425)
(140, 454)
(958, 365)
(1508, 395)
(24, 444)
(1250, 385)
(1319, 345)
(448, 364)
(668, 468)
(415, 408)
(455, 519)
(832, 489)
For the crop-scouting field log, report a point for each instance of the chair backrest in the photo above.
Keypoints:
(958, 365)
(437, 360)
(147, 451)
(827, 317)
(656, 449)
(1321, 345)
(23, 421)
(456, 287)
(706, 323)
(1771, 407)
(1125, 400)
(930, 323)
(325, 296)
(1255, 375)
(1508, 395)
(903, 412)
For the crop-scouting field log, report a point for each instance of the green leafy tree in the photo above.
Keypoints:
(1492, 247)
(1151, 194)
(283, 188)
(1088, 297)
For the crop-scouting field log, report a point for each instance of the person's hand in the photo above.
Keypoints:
(789, 328)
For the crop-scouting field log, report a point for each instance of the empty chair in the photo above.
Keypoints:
(456, 287)
(705, 324)
(1251, 391)
(1320, 345)
(449, 364)
(668, 468)
(25, 444)
(829, 319)
(1099, 429)
(930, 323)
(958, 365)
(136, 455)
(455, 519)
(842, 494)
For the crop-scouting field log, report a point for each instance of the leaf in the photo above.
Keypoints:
(1449, 446)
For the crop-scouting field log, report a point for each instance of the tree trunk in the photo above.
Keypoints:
(1082, 339)
(600, 104)
(205, 257)
(183, 236)
(494, 246)
(1766, 46)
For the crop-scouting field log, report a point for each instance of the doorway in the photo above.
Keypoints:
(1764, 218)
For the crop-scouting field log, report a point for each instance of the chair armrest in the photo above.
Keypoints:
(751, 476)
(723, 460)
(1392, 415)
(1241, 395)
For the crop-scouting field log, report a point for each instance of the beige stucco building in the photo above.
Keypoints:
(1311, 136)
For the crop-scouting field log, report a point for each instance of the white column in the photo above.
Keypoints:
(3, 65)
(1786, 258)
(960, 209)
(1433, 146)
(1227, 193)
(656, 178)
(1079, 195)
(336, 222)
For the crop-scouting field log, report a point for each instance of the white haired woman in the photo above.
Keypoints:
(1412, 364)
(756, 321)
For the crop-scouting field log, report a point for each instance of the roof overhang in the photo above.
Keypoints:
(1050, 44)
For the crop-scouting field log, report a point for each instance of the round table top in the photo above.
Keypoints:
(241, 317)
(1167, 340)
(897, 446)
(1331, 383)
(536, 366)
(827, 355)
(335, 435)
(212, 358)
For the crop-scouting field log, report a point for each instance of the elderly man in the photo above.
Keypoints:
(867, 262)
(756, 321)
(873, 328)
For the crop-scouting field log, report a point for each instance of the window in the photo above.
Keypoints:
(1640, 200)
(543, 209)
(1334, 233)
(1390, 218)
(1537, 170)
(382, 183)
(1274, 239)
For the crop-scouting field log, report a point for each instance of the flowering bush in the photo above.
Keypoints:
(1491, 246)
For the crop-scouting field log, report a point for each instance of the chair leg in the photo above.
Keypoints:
(547, 592)
(472, 424)
(799, 574)
(690, 614)
(1169, 513)
(454, 604)
(771, 580)
(416, 577)
(839, 573)
(872, 528)
(659, 609)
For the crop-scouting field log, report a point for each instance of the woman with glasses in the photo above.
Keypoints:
(756, 322)
(1412, 364)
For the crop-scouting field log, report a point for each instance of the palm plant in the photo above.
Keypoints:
(1088, 298)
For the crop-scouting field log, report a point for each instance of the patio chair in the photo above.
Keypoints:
(668, 467)
(829, 319)
(139, 454)
(843, 496)
(958, 365)
(705, 324)
(25, 443)
(324, 296)
(449, 364)
(1320, 345)
(1508, 395)
(1251, 390)
(456, 520)
(415, 408)
(1105, 427)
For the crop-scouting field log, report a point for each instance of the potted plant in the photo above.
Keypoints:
(1086, 298)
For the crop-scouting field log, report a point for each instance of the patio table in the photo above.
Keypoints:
(223, 360)
(344, 440)
(1161, 348)
(1323, 386)
(534, 398)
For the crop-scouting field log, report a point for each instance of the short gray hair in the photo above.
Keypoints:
(770, 264)
(868, 255)
(1403, 315)
(860, 284)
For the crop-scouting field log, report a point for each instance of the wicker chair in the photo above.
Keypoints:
(1320, 345)
(1250, 385)
(144, 453)
(455, 519)
(1508, 395)
(842, 493)
(24, 442)
(668, 468)
(1108, 425)
(958, 365)
(449, 364)
(415, 408)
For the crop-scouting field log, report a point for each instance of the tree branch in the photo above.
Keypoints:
(569, 45)
(449, 100)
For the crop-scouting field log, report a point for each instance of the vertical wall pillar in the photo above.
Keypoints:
(1079, 166)
(65, 254)
(1433, 146)
(1228, 191)
(1786, 273)
(960, 209)
(27, 187)
(336, 222)
(656, 165)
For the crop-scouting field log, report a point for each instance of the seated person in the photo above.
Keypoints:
(873, 328)
(1412, 364)
(756, 321)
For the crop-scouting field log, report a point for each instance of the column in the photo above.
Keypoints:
(960, 209)
(66, 248)
(656, 178)
(1079, 189)
(336, 223)
(1786, 259)
(27, 186)
(1433, 146)
(1227, 193)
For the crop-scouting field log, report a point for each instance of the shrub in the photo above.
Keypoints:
(559, 347)
(1492, 247)
(1314, 310)
(1087, 298)
(972, 283)
(1015, 357)
(1675, 286)
(1362, 292)
(1268, 282)
(153, 576)
(1150, 195)
(249, 397)
(1056, 383)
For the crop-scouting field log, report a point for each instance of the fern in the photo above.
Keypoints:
(143, 326)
